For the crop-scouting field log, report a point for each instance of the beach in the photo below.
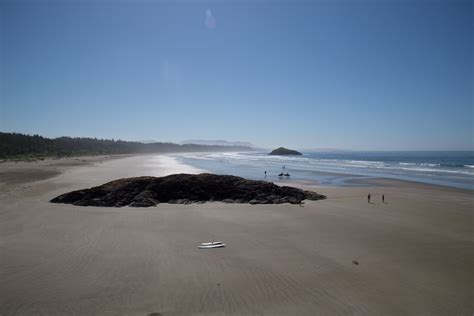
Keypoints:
(412, 255)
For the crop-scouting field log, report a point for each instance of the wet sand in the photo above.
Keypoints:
(414, 253)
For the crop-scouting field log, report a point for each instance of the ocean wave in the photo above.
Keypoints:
(439, 170)
(418, 164)
(305, 163)
(366, 162)
(452, 165)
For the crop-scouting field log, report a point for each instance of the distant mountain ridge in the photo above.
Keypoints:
(219, 142)
(14, 145)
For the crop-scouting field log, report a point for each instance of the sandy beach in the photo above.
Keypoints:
(414, 253)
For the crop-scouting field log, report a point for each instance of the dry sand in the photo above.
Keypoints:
(415, 252)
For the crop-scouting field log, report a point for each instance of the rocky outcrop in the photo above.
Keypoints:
(282, 151)
(185, 189)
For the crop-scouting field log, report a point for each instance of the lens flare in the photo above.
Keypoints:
(210, 21)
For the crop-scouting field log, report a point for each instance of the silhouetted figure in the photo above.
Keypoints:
(265, 173)
(383, 198)
(368, 198)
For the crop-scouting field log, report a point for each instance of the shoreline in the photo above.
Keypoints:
(390, 182)
(335, 171)
(29, 172)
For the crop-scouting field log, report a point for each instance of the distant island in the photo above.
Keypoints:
(20, 146)
(282, 151)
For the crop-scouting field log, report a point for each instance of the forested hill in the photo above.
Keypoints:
(13, 145)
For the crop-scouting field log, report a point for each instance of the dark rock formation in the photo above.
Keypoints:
(282, 151)
(184, 189)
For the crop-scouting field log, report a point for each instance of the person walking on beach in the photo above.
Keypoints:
(368, 198)
(383, 198)
(265, 173)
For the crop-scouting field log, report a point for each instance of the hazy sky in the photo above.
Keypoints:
(384, 75)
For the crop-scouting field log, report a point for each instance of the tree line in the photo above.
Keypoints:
(15, 145)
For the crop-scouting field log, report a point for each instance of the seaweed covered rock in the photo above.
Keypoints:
(185, 189)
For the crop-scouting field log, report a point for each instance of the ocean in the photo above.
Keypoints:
(454, 168)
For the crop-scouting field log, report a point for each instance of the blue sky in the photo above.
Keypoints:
(370, 75)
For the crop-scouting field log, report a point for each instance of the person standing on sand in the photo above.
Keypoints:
(383, 198)
(265, 173)
(368, 198)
